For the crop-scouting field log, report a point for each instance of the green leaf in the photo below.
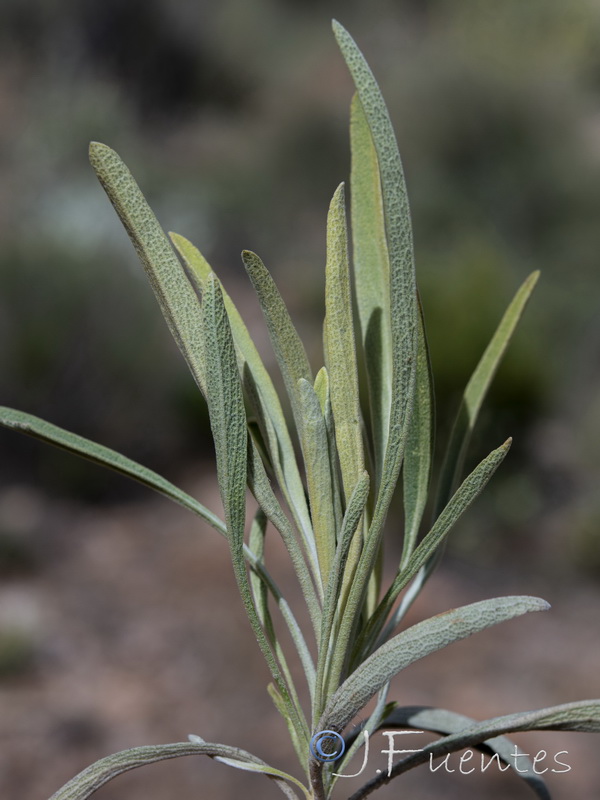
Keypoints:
(340, 351)
(175, 294)
(439, 720)
(462, 499)
(579, 716)
(371, 278)
(418, 456)
(315, 448)
(415, 643)
(228, 424)
(403, 311)
(261, 584)
(104, 770)
(350, 524)
(289, 350)
(259, 386)
(263, 493)
(477, 389)
(39, 428)
(403, 295)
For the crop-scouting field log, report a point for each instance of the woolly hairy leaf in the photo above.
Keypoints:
(340, 351)
(288, 347)
(371, 278)
(418, 456)
(260, 388)
(315, 448)
(171, 286)
(403, 296)
(415, 643)
(228, 423)
(350, 524)
(462, 499)
(96, 775)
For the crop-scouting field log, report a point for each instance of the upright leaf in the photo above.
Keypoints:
(371, 278)
(171, 286)
(403, 297)
(340, 351)
(260, 386)
(477, 389)
(289, 350)
(418, 456)
(228, 424)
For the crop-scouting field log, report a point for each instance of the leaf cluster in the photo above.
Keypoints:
(324, 478)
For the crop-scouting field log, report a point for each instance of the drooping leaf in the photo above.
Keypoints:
(93, 777)
(580, 716)
(99, 454)
(440, 720)
(415, 643)
(174, 292)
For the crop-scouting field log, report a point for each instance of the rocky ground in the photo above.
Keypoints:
(122, 626)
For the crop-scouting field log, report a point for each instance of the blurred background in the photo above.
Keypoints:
(119, 619)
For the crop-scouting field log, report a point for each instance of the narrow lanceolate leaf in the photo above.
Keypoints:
(418, 455)
(371, 278)
(580, 716)
(403, 295)
(415, 643)
(261, 489)
(289, 350)
(99, 773)
(476, 391)
(315, 448)
(462, 499)
(350, 524)
(340, 351)
(268, 409)
(403, 309)
(228, 424)
(33, 426)
(175, 294)
(322, 392)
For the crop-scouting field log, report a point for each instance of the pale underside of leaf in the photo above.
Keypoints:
(93, 777)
